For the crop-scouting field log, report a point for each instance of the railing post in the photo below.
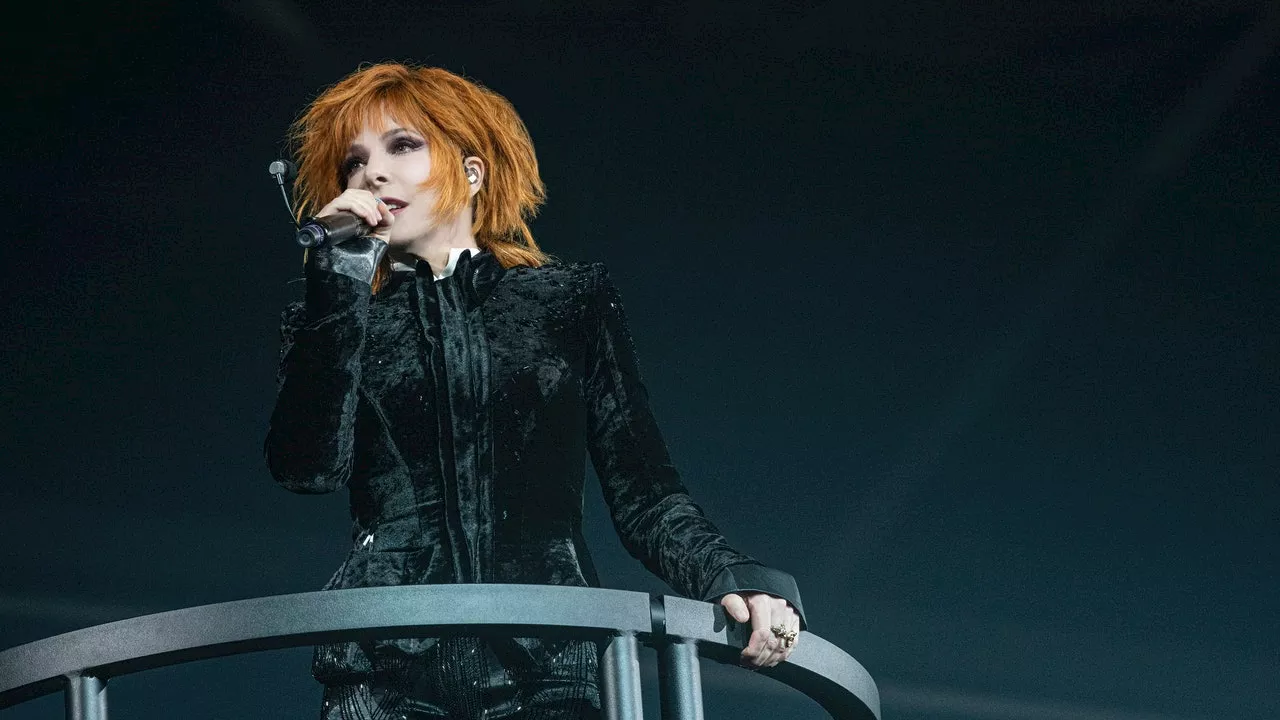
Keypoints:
(680, 681)
(86, 697)
(620, 679)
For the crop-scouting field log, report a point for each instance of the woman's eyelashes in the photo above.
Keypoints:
(350, 164)
(404, 144)
(396, 146)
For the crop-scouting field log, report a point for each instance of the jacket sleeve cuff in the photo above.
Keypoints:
(356, 258)
(748, 577)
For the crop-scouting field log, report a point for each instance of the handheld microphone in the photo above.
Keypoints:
(330, 229)
(316, 231)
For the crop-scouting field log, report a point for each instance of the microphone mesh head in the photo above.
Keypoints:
(283, 167)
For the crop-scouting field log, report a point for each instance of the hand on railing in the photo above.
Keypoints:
(775, 625)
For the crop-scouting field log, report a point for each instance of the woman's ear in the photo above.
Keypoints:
(473, 167)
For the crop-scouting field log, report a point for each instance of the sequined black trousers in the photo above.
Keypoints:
(465, 678)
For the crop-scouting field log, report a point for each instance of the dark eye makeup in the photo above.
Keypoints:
(398, 144)
(349, 165)
(404, 143)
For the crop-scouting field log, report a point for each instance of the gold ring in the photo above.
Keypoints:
(788, 637)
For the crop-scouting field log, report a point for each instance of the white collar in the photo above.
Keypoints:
(454, 254)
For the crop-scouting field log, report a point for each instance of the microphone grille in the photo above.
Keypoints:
(283, 167)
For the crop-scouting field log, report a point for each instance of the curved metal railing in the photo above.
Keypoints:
(81, 662)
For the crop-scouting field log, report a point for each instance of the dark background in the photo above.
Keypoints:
(963, 313)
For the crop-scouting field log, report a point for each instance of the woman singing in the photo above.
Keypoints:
(451, 376)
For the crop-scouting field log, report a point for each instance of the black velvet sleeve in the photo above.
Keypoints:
(312, 431)
(658, 522)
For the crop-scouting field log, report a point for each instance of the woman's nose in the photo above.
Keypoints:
(376, 173)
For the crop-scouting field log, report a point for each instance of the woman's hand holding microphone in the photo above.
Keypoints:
(365, 206)
(358, 257)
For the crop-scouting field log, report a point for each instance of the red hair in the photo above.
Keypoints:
(459, 118)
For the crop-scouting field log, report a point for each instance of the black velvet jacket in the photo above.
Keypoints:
(457, 412)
